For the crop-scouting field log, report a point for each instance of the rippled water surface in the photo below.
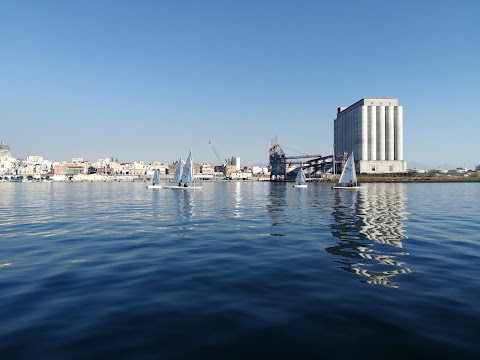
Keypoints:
(239, 270)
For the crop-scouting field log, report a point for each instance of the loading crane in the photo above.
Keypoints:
(313, 164)
(221, 159)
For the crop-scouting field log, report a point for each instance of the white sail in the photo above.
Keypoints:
(300, 179)
(178, 172)
(187, 175)
(348, 173)
(156, 177)
(155, 180)
(184, 178)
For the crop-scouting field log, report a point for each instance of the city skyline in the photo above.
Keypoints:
(152, 80)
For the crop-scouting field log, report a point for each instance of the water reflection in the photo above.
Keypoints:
(231, 203)
(237, 212)
(369, 224)
(276, 205)
(186, 203)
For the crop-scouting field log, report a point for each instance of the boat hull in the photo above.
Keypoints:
(154, 186)
(346, 187)
(183, 187)
(301, 186)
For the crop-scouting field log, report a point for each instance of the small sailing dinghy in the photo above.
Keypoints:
(155, 181)
(187, 181)
(348, 178)
(177, 177)
(300, 180)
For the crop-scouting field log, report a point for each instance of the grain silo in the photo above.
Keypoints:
(373, 130)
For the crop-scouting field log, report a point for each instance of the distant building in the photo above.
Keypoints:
(373, 130)
(105, 171)
(259, 170)
(68, 169)
(231, 169)
(218, 169)
(235, 161)
(34, 159)
(7, 162)
(241, 175)
(137, 171)
(35, 165)
(207, 169)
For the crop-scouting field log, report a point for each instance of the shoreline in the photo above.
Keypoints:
(360, 178)
(418, 179)
(398, 179)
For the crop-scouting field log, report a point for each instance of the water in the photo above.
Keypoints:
(239, 270)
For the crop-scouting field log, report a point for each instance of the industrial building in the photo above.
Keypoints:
(373, 130)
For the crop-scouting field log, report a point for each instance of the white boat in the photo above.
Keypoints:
(177, 177)
(155, 181)
(300, 180)
(348, 178)
(187, 180)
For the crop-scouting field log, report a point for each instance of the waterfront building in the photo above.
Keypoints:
(156, 165)
(241, 175)
(34, 159)
(127, 168)
(35, 166)
(207, 169)
(139, 168)
(235, 161)
(7, 162)
(219, 169)
(116, 166)
(68, 169)
(137, 171)
(373, 129)
(105, 170)
(231, 169)
(259, 170)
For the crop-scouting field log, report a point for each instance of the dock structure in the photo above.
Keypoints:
(285, 168)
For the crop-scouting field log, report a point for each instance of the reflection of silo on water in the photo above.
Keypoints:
(383, 212)
(369, 224)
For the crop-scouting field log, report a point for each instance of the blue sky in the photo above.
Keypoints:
(150, 80)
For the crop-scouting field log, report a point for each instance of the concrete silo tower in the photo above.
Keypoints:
(373, 130)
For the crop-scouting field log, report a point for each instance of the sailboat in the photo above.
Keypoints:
(187, 181)
(300, 180)
(348, 178)
(177, 177)
(178, 172)
(155, 181)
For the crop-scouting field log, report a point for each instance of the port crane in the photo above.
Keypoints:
(222, 160)
(278, 162)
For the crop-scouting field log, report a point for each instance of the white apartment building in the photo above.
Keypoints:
(373, 130)
(7, 162)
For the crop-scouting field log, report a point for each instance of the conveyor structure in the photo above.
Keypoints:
(282, 167)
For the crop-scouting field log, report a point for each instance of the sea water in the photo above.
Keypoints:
(239, 270)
